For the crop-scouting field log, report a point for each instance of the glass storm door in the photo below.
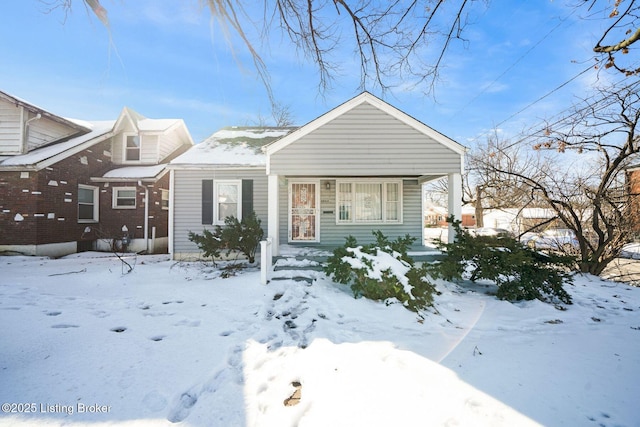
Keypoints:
(303, 215)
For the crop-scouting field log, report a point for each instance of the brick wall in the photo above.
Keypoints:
(113, 219)
(43, 208)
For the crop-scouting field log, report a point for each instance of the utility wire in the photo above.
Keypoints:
(517, 61)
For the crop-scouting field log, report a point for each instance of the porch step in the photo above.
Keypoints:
(298, 269)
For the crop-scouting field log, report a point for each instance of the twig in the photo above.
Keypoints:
(84, 270)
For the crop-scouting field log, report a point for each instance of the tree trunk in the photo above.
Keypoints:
(479, 210)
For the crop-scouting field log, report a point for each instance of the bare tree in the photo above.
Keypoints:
(282, 115)
(395, 42)
(621, 33)
(486, 186)
(579, 170)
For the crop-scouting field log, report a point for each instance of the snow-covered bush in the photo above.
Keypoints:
(382, 271)
(520, 272)
(236, 236)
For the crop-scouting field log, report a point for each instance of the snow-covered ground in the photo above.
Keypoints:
(83, 344)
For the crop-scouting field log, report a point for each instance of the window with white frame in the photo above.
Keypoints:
(124, 197)
(165, 199)
(367, 201)
(132, 148)
(87, 203)
(228, 200)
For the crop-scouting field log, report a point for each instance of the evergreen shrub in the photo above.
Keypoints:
(382, 271)
(237, 236)
(521, 273)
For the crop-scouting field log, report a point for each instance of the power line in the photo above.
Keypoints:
(512, 66)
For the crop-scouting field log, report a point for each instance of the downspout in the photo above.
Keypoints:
(25, 136)
(146, 216)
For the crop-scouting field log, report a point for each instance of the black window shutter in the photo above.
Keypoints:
(247, 197)
(207, 201)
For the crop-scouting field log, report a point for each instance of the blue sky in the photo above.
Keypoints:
(166, 59)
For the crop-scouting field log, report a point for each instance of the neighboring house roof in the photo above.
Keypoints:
(146, 125)
(365, 97)
(49, 154)
(133, 173)
(233, 146)
(79, 125)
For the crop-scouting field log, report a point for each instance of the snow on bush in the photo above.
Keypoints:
(382, 271)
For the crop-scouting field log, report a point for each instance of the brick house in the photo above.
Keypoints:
(69, 185)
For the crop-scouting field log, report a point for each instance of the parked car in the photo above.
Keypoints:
(492, 232)
(553, 239)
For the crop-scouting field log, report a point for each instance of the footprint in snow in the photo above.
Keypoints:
(182, 409)
(53, 313)
(154, 401)
(64, 326)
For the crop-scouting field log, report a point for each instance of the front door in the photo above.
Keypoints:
(303, 212)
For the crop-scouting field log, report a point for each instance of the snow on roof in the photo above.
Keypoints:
(135, 172)
(233, 146)
(46, 152)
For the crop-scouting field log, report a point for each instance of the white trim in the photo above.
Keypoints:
(170, 233)
(114, 197)
(316, 182)
(454, 185)
(273, 212)
(216, 210)
(383, 182)
(96, 204)
(351, 104)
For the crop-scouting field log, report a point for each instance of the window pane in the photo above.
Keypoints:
(227, 209)
(227, 201)
(165, 198)
(344, 202)
(133, 141)
(368, 202)
(227, 193)
(393, 202)
(85, 212)
(85, 195)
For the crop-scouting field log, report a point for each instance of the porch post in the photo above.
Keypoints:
(455, 200)
(273, 222)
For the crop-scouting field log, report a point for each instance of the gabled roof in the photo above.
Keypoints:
(146, 125)
(52, 153)
(232, 146)
(365, 97)
(37, 110)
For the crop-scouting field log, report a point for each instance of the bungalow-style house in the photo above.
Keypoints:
(359, 167)
(68, 185)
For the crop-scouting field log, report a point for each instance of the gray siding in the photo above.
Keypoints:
(333, 234)
(365, 141)
(188, 205)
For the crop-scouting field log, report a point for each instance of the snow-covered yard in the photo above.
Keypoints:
(83, 344)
